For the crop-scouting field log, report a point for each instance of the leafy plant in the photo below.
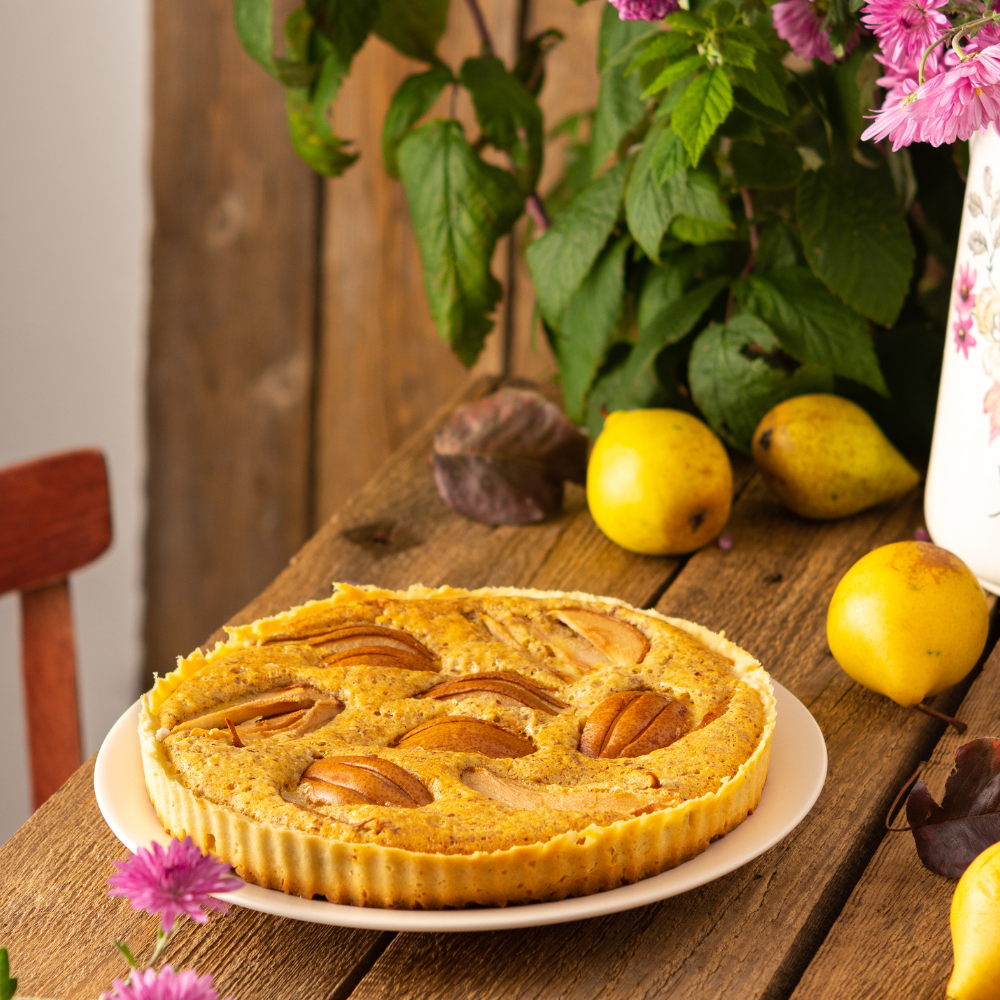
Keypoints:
(721, 237)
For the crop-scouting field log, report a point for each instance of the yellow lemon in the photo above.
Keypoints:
(659, 482)
(908, 620)
(975, 930)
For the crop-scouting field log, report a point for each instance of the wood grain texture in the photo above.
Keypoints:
(231, 330)
(57, 922)
(49, 684)
(56, 517)
(892, 937)
(383, 370)
(751, 933)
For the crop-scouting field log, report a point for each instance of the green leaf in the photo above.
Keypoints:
(587, 328)
(661, 289)
(459, 206)
(320, 149)
(663, 45)
(8, 985)
(618, 35)
(345, 24)
(414, 98)
(856, 80)
(745, 101)
(702, 108)
(255, 28)
(736, 53)
(739, 125)
(675, 71)
(648, 205)
(766, 81)
(735, 379)
(721, 13)
(772, 166)
(855, 238)
(668, 155)
(700, 215)
(530, 66)
(561, 258)
(634, 383)
(777, 248)
(620, 108)
(413, 27)
(684, 20)
(508, 115)
(812, 324)
(126, 951)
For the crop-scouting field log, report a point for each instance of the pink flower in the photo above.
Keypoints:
(905, 28)
(959, 102)
(645, 10)
(173, 881)
(963, 335)
(921, 535)
(954, 103)
(799, 23)
(167, 985)
(725, 542)
(965, 301)
(991, 406)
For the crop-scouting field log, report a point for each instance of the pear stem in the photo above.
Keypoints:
(958, 725)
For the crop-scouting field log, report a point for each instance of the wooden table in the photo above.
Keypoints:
(838, 909)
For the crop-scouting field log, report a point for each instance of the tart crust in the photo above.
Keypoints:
(336, 853)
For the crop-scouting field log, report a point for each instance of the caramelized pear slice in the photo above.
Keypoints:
(579, 654)
(365, 643)
(455, 732)
(525, 795)
(633, 723)
(620, 642)
(298, 709)
(510, 686)
(348, 781)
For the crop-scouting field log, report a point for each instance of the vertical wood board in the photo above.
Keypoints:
(231, 330)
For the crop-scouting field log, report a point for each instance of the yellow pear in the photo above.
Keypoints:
(659, 482)
(908, 620)
(975, 930)
(824, 457)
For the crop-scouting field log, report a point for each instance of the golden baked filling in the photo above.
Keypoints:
(445, 747)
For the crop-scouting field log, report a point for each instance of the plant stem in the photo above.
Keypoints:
(481, 29)
(958, 725)
(754, 232)
(536, 209)
(161, 943)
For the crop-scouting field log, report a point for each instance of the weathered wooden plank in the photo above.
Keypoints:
(383, 370)
(892, 937)
(231, 330)
(58, 924)
(750, 933)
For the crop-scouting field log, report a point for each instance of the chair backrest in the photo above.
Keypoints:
(55, 516)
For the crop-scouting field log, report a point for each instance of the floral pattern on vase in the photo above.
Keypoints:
(962, 499)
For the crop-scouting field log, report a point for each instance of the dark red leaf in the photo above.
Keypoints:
(949, 836)
(504, 459)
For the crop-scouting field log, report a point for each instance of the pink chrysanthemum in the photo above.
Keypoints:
(905, 28)
(959, 102)
(965, 301)
(953, 104)
(800, 24)
(963, 335)
(165, 985)
(645, 10)
(173, 881)
(991, 407)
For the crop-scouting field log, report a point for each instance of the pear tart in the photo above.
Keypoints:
(432, 748)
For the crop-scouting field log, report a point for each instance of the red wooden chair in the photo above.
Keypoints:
(55, 516)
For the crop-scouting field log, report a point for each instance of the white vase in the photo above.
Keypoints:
(962, 499)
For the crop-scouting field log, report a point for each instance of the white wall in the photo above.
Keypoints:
(74, 226)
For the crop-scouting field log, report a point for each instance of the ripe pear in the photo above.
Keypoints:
(825, 457)
(975, 930)
(908, 620)
(659, 482)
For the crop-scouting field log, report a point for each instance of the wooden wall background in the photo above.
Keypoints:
(291, 346)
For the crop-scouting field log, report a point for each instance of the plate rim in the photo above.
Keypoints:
(110, 794)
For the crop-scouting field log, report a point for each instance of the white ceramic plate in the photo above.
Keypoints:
(795, 778)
